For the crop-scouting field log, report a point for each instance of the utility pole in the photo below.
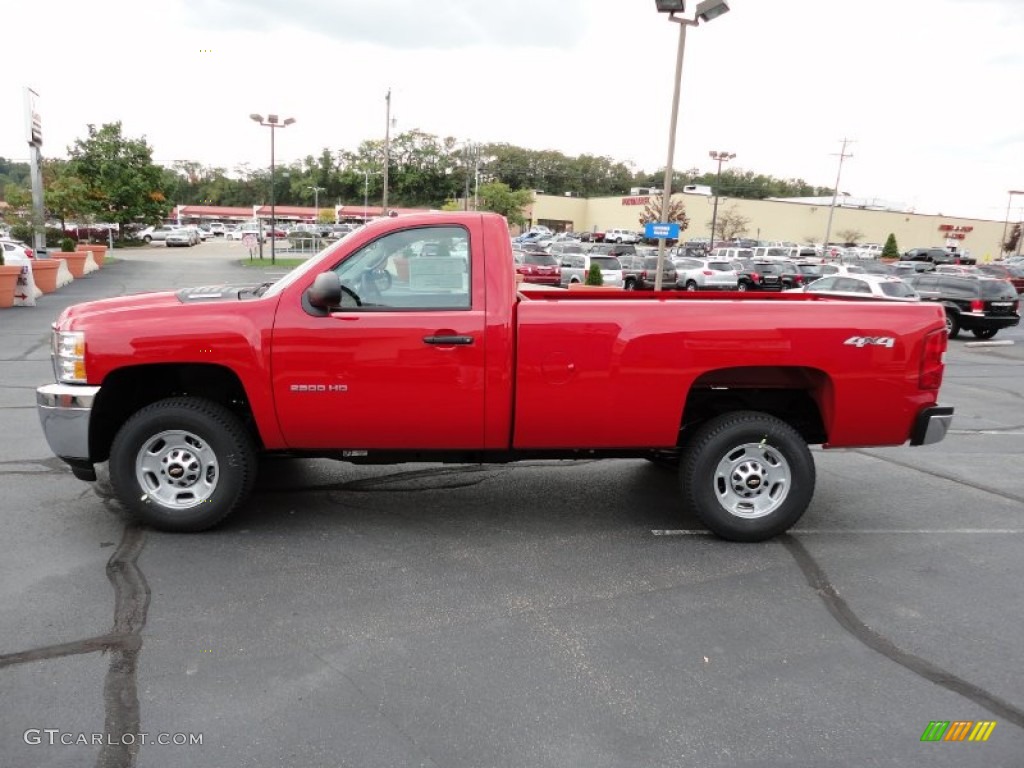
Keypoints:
(387, 154)
(835, 194)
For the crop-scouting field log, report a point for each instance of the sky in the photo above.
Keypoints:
(929, 93)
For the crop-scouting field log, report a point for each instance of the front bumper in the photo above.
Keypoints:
(931, 425)
(64, 412)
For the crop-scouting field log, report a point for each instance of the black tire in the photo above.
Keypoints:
(147, 239)
(984, 333)
(952, 325)
(691, 285)
(741, 286)
(748, 476)
(630, 285)
(184, 435)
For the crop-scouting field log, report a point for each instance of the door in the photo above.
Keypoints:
(400, 364)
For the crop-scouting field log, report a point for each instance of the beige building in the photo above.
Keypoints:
(801, 222)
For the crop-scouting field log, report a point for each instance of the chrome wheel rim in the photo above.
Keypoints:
(177, 469)
(752, 480)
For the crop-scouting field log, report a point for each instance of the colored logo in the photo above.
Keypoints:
(958, 730)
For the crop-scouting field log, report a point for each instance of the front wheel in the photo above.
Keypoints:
(984, 333)
(182, 464)
(741, 287)
(747, 475)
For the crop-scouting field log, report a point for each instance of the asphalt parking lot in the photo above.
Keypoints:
(539, 614)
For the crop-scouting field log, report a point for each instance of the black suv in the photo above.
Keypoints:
(980, 305)
(937, 256)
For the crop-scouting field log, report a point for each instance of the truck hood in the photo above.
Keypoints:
(163, 300)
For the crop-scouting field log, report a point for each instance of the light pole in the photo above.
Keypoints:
(387, 154)
(721, 157)
(316, 201)
(272, 122)
(835, 194)
(1006, 223)
(706, 11)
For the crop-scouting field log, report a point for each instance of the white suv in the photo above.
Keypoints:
(705, 274)
(620, 236)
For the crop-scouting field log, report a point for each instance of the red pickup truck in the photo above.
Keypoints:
(410, 340)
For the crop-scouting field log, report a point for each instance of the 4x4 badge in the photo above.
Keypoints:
(871, 341)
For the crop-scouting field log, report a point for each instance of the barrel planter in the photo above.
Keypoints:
(8, 281)
(99, 252)
(75, 261)
(44, 272)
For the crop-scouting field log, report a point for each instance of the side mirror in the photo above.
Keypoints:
(325, 291)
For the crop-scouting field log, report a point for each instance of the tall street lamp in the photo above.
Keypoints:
(721, 157)
(706, 11)
(272, 122)
(316, 201)
(387, 153)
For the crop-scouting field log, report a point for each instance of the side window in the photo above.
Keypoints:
(422, 268)
(826, 284)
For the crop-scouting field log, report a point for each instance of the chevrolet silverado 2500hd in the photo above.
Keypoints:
(410, 340)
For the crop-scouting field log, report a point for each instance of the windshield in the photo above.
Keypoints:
(540, 259)
(303, 269)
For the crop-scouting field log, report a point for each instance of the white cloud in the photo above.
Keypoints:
(928, 90)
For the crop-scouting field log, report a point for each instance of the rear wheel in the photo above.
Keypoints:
(952, 325)
(747, 475)
(691, 285)
(742, 286)
(182, 464)
(984, 333)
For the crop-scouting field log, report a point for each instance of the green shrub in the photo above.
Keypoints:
(67, 244)
(889, 250)
(594, 276)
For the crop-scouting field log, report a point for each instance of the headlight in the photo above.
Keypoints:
(69, 356)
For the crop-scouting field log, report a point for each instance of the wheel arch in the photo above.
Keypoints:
(801, 396)
(126, 390)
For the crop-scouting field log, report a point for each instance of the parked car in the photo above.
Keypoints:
(1005, 272)
(621, 236)
(632, 266)
(981, 305)
(612, 249)
(537, 267)
(873, 267)
(576, 265)
(705, 275)
(180, 237)
(881, 287)
(646, 279)
(218, 228)
(842, 269)
(757, 276)
(157, 233)
(934, 255)
(16, 248)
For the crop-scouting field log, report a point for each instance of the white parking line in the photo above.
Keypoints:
(855, 531)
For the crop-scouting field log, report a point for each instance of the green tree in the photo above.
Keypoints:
(64, 194)
(499, 198)
(890, 250)
(594, 276)
(124, 186)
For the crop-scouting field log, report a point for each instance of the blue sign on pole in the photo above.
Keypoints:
(656, 231)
